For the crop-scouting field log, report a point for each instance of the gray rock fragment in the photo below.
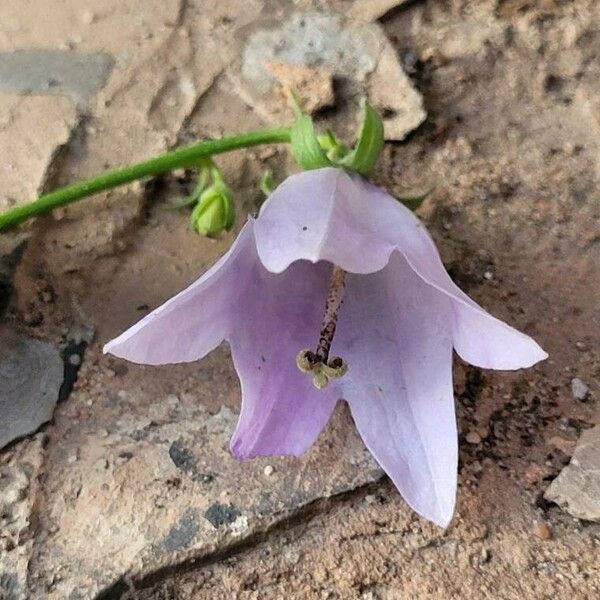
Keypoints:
(65, 72)
(579, 389)
(577, 487)
(31, 373)
(357, 54)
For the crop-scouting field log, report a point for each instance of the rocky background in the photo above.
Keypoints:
(115, 479)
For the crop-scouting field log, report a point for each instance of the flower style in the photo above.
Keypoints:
(400, 318)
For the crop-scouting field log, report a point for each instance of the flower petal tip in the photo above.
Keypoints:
(444, 521)
(108, 347)
(439, 515)
(528, 358)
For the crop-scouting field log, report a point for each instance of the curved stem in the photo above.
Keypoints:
(182, 157)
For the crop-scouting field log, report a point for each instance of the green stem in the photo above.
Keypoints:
(182, 157)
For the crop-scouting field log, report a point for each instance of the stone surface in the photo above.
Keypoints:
(577, 488)
(31, 373)
(360, 55)
(63, 72)
(391, 91)
(34, 131)
(19, 487)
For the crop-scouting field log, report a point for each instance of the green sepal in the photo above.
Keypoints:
(215, 211)
(305, 145)
(414, 202)
(369, 145)
(267, 183)
(304, 139)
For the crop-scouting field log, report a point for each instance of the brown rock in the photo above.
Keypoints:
(543, 531)
(473, 437)
(313, 86)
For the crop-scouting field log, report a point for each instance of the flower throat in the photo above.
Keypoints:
(317, 363)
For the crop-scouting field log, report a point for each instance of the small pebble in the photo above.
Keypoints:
(483, 432)
(488, 275)
(172, 400)
(87, 17)
(473, 437)
(579, 389)
(580, 345)
(72, 459)
(269, 470)
(543, 531)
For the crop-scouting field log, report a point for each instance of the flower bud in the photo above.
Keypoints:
(214, 212)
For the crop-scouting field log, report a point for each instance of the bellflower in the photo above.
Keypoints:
(331, 254)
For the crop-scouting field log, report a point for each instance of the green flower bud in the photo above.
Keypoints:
(214, 212)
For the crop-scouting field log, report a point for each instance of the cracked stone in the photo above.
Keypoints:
(31, 373)
(577, 487)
